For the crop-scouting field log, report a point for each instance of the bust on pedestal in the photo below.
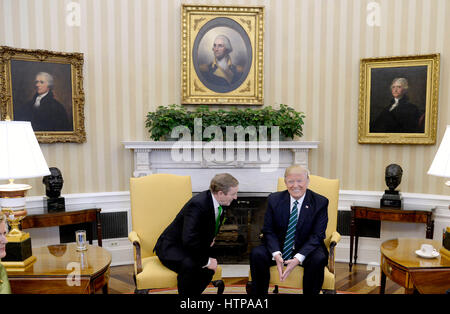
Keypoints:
(53, 186)
(393, 177)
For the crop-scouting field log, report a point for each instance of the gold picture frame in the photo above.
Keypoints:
(412, 119)
(202, 79)
(46, 88)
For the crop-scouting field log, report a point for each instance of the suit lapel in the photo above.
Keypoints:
(210, 211)
(285, 209)
(305, 210)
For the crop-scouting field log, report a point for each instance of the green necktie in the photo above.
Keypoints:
(218, 219)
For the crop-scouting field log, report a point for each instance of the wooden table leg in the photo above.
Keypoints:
(352, 236)
(350, 260)
(382, 282)
(99, 229)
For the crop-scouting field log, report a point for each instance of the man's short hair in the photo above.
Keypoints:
(296, 169)
(402, 81)
(226, 42)
(223, 182)
(48, 77)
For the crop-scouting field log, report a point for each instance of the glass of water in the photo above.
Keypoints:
(80, 236)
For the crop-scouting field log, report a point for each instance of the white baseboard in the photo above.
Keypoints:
(368, 248)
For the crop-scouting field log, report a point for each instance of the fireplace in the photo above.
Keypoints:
(257, 166)
(241, 230)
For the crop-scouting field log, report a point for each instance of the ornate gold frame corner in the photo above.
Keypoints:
(431, 63)
(196, 22)
(75, 60)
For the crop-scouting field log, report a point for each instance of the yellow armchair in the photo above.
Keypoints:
(330, 189)
(155, 201)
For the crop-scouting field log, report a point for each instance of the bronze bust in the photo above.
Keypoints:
(393, 177)
(53, 186)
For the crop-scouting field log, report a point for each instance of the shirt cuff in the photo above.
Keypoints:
(300, 257)
(275, 254)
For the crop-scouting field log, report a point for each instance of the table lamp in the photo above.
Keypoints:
(441, 164)
(441, 167)
(20, 158)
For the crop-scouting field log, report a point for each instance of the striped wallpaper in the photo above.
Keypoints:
(312, 54)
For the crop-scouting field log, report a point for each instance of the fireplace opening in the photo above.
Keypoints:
(241, 230)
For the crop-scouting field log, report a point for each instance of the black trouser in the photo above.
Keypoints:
(192, 278)
(313, 274)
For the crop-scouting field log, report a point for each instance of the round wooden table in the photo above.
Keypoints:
(401, 264)
(62, 269)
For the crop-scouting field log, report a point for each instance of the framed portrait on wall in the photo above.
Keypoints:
(222, 55)
(398, 100)
(45, 88)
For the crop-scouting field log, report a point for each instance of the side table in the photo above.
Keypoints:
(416, 274)
(61, 269)
(67, 218)
(385, 214)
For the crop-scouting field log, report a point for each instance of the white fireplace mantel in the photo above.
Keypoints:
(257, 165)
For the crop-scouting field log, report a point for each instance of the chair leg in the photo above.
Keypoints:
(248, 287)
(139, 291)
(275, 290)
(220, 285)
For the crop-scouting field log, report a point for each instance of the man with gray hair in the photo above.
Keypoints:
(399, 116)
(293, 234)
(44, 112)
(185, 245)
(221, 71)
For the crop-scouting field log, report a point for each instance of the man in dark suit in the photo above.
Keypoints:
(44, 112)
(185, 245)
(293, 234)
(400, 115)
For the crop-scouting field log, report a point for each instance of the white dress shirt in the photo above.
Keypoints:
(394, 105)
(298, 256)
(37, 102)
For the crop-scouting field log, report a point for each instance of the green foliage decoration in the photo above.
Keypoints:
(161, 122)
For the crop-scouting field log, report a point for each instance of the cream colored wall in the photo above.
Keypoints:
(312, 54)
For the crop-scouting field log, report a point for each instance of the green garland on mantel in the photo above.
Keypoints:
(161, 122)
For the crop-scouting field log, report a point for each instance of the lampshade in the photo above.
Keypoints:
(20, 154)
(441, 164)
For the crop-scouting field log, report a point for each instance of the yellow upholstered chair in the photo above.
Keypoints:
(330, 189)
(155, 201)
